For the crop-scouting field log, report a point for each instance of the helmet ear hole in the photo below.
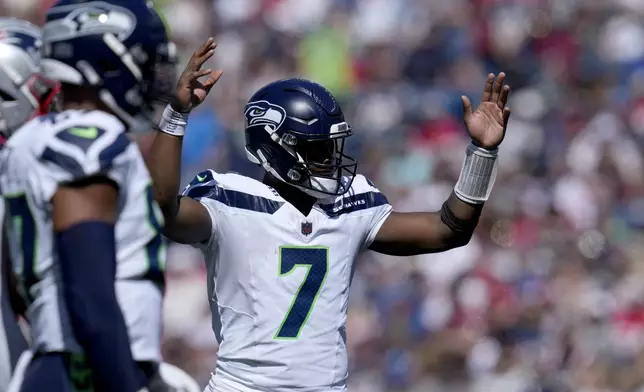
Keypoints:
(294, 175)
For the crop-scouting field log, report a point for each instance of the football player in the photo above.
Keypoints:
(74, 182)
(24, 93)
(280, 252)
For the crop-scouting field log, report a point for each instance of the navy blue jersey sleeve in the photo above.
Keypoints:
(202, 185)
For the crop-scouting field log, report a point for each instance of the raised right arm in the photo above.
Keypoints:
(186, 220)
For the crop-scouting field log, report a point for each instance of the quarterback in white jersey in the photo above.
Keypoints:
(291, 276)
(24, 93)
(280, 253)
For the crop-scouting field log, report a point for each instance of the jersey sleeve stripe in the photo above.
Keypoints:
(353, 203)
(235, 199)
(64, 161)
(111, 152)
(204, 178)
(198, 190)
(200, 185)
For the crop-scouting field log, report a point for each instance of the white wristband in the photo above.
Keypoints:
(172, 122)
(477, 175)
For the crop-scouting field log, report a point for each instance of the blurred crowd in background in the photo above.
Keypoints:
(549, 295)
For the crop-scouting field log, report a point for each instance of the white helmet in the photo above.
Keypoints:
(24, 93)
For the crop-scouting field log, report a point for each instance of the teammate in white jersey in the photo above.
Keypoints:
(280, 253)
(24, 93)
(74, 182)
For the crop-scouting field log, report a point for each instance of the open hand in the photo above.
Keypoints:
(487, 124)
(190, 91)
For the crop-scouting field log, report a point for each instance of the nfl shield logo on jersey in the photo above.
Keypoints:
(307, 228)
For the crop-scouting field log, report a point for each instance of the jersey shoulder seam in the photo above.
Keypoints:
(207, 185)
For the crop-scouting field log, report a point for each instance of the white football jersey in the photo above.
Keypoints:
(63, 147)
(280, 280)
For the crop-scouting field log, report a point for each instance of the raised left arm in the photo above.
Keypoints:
(405, 234)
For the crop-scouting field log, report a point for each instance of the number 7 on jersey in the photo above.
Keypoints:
(316, 260)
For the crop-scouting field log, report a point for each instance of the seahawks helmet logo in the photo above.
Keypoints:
(264, 113)
(88, 18)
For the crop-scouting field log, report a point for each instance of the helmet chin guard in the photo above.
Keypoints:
(323, 188)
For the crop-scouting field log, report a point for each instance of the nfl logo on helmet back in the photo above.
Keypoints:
(119, 47)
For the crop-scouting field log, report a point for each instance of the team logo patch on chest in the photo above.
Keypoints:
(307, 228)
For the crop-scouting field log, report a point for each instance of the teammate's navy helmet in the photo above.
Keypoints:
(296, 131)
(119, 47)
(24, 93)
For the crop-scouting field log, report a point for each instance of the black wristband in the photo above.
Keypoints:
(457, 225)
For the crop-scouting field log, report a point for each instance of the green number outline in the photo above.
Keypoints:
(299, 289)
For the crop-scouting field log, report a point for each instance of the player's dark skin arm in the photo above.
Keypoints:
(186, 220)
(406, 234)
(87, 200)
(86, 211)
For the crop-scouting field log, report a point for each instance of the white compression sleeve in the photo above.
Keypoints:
(172, 122)
(477, 175)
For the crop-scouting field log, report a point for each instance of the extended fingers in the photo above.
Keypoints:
(487, 91)
(497, 88)
(467, 108)
(214, 78)
(201, 55)
(206, 46)
(199, 61)
(506, 117)
(202, 73)
(503, 98)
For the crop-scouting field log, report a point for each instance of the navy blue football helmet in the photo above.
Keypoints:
(119, 47)
(296, 131)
